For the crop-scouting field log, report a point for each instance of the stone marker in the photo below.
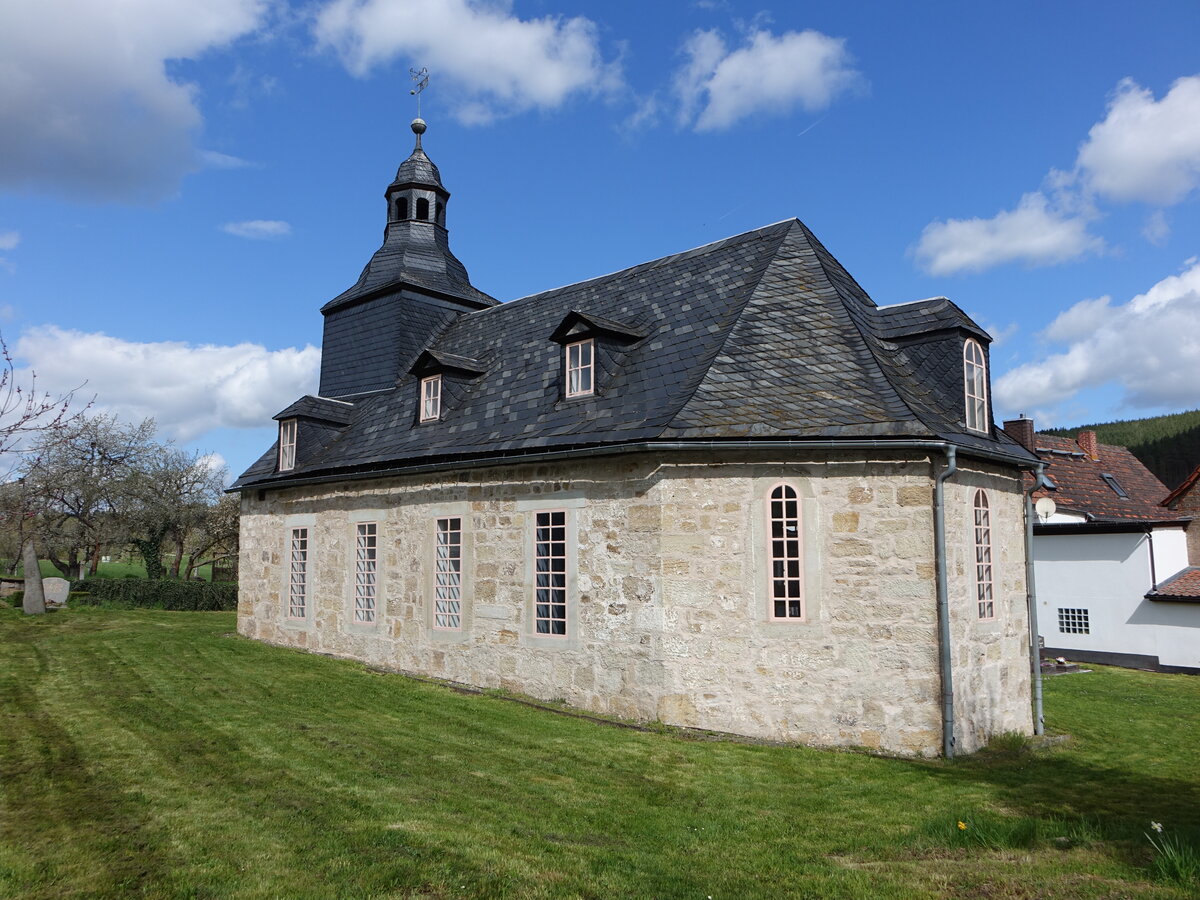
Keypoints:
(56, 591)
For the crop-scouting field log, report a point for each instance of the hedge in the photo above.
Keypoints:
(128, 593)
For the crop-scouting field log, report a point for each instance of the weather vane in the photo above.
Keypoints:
(421, 77)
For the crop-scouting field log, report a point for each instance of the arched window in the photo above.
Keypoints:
(422, 208)
(402, 208)
(787, 585)
(983, 557)
(975, 378)
(439, 213)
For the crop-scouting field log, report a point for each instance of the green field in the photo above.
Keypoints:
(117, 569)
(156, 754)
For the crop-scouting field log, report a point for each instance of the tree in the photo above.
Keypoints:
(27, 414)
(167, 501)
(82, 480)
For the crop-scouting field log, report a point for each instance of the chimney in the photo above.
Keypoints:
(1021, 431)
(1088, 444)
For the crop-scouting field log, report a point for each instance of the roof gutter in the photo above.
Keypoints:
(943, 599)
(512, 458)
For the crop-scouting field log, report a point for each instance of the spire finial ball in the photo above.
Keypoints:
(418, 126)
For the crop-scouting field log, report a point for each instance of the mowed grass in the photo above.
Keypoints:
(155, 754)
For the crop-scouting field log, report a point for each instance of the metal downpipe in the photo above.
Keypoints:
(943, 600)
(1035, 650)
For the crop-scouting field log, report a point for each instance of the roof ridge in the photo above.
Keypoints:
(866, 339)
(765, 265)
(649, 264)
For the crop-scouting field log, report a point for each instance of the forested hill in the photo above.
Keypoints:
(1169, 446)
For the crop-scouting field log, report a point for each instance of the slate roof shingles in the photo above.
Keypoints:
(763, 334)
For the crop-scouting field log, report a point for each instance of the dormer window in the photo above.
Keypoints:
(580, 368)
(431, 398)
(287, 445)
(975, 379)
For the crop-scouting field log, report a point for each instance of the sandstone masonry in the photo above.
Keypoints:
(667, 563)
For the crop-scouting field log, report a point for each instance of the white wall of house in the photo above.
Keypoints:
(1098, 582)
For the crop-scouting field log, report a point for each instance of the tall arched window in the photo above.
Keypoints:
(975, 377)
(422, 208)
(983, 557)
(402, 209)
(787, 585)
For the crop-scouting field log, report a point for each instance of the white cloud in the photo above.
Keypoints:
(9, 240)
(258, 229)
(188, 389)
(87, 108)
(214, 160)
(1150, 347)
(1145, 150)
(770, 74)
(1157, 228)
(495, 62)
(1034, 233)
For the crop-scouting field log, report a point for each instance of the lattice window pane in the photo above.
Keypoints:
(787, 594)
(298, 574)
(365, 572)
(550, 567)
(983, 557)
(447, 604)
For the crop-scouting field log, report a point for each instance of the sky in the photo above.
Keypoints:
(184, 183)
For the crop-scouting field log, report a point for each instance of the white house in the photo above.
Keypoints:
(1102, 557)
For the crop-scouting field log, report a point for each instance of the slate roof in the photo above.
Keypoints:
(759, 336)
(1083, 489)
(1183, 586)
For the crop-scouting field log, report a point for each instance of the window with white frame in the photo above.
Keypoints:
(550, 573)
(580, 368)
(298, 574)
(287, 445)
(983, 557)
(366, 568)
(787, 585)
(1073, 621)
(431, 398)
(975, 379)
(448, 586)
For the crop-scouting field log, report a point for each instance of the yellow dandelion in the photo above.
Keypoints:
(962, 826)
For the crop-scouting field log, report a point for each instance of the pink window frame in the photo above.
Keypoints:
(578, 368)
(297, 573)
(985, 593)
(789, 579)
(975, 385)
(366, 573)
(431, 394)
(448, 574)
(287, 445)
(555, 598)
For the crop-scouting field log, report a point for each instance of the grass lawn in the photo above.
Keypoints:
(154, 754)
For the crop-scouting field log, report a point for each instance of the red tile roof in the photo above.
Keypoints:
(1184, 586)
(1183, 488)
(1082, 489)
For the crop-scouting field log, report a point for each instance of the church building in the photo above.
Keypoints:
(722, 489)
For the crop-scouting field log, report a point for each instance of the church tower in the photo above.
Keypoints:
(409, 291)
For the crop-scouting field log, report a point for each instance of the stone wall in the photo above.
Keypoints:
(667, 616)
(991, 669)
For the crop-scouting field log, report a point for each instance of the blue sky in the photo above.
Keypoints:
(183, 183)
